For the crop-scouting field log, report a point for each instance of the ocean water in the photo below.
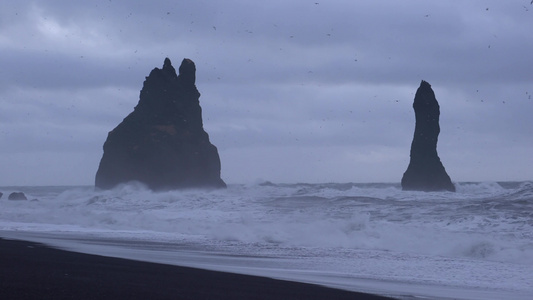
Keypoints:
(476, 243)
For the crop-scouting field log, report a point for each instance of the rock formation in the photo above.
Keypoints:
(162, 143)
(425, 171)
(17, 196)
(1, 194)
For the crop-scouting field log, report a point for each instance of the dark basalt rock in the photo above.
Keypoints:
(17, 196)
(162, 143)
(425, 171)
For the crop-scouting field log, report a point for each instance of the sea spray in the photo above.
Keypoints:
(481, 220)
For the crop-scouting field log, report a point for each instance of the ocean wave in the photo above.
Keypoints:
(485, 221)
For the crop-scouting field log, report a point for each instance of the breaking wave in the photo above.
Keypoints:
(485, 221)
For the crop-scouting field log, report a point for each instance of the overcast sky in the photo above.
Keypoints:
(292, 91)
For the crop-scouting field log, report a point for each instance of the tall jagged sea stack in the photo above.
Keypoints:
(425, 171)
(162, 143)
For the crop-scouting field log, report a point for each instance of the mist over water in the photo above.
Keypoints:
(472, 237)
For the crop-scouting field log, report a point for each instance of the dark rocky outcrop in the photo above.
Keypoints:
(425, 171)
(17, 196)
(1, 194)
(162, 143)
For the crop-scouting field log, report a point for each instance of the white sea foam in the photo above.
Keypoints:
(474, 236)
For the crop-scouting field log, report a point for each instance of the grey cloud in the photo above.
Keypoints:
(282, 82)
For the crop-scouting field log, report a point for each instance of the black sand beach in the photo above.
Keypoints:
(35, 271)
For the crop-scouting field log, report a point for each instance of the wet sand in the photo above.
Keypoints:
(34, 271)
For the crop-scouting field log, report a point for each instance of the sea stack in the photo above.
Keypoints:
(425, 171)
(162, 143)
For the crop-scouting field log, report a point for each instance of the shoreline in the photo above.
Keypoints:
(32, 270)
